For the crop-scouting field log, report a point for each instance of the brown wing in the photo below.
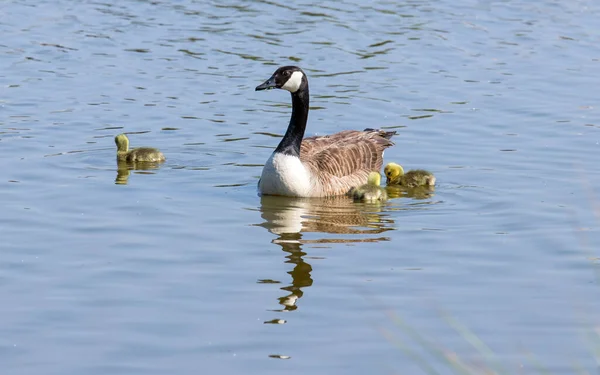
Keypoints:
(343, 160)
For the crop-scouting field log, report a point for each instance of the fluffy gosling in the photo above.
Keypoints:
(395, 175)
(369, 192)
(140, 154)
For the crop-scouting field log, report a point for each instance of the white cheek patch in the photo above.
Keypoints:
(293, 84)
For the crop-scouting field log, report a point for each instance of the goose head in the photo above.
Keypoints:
(290, 78)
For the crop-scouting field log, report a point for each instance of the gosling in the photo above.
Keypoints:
(395, 175)
(369, 192)
(140, 154)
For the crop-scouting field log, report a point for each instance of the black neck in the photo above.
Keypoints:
(290, 144)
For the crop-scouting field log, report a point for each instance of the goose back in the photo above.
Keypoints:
(343, 160)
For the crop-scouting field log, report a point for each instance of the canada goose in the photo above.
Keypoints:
(371, 191)
(418, 177)
(141, 154)
(317, 166)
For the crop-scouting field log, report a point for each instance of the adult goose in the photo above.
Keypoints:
(318, 166)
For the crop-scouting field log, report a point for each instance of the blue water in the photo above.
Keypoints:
(184, 269)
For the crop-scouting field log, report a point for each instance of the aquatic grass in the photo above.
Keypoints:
(451, 360)
(475, 342)
(593, 336)
(490, 364)
(444, 356)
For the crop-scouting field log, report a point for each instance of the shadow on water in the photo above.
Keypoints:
(124, 170)
(291, 218)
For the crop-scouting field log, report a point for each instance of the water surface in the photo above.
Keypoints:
(184, 269)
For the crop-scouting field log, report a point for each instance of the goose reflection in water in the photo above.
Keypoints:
(290, 218)
(124, 170)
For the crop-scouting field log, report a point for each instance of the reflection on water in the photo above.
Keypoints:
(124, 170)
(290, 218)
(420, 192)
(464, 81)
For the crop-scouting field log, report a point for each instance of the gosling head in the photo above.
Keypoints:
(290, 78)
(374, 179)
(122, 143)
(392, 171)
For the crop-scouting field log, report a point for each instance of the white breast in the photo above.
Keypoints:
(285, 175)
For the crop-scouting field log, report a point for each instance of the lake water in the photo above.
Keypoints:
(184, 269)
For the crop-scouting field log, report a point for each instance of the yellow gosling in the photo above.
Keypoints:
(395, 175)
(140, 154)
(371, 191)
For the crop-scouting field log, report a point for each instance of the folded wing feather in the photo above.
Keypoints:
(343, 160)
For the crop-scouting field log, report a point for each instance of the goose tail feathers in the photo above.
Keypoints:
(382, 133)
